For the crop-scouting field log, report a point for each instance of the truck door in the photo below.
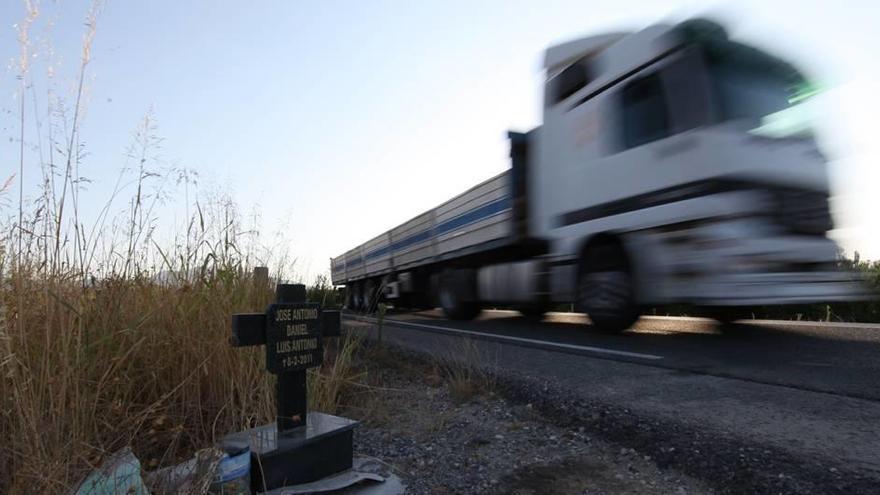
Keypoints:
(564, 135)
(642, 145)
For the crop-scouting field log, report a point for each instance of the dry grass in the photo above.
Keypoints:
(130, 362)
(465, 372)
(332, 387)
(113, 332)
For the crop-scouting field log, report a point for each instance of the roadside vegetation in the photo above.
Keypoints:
(464, 370)
(87, 370)
(114, 326)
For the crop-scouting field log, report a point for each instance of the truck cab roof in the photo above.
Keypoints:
(631, 45)
(558, 56)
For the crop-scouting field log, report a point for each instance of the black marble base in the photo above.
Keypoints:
(320, 448)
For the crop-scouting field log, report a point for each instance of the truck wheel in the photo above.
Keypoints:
(723, 315)
(727, 317)
(420, 302)
(532, 313)
(605, 289)
(456, 295)
(371, 297)
(349, 297)
(357, 297)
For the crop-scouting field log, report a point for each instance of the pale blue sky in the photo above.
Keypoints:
(337, 120)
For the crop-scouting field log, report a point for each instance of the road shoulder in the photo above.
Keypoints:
(742, 436)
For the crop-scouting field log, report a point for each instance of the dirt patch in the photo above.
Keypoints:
(439, 442)
(586, 475)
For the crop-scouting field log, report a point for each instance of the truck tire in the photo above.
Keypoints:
(371, 296)
(357, 296)
(456, 295)
(728, 316)
(349, 297)
(605, 289)
(724, 315)
(419, 302)
(532, 313)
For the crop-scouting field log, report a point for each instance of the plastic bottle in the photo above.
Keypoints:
(234, 471)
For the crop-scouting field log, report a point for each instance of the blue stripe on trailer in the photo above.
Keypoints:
(475, 215)
(479, 213)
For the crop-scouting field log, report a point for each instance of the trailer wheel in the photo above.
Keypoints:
(371, 296)
(419, 301)
(727, 317)
(605, 288)
(532, 313)
(349, 297)
(456, 295)
(357, 296)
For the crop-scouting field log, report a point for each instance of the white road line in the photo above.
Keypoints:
(494, 336)
(804, 323)
(794, 323)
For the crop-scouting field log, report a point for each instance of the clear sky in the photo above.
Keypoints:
(338, 120)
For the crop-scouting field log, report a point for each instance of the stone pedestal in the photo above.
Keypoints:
(323, 446)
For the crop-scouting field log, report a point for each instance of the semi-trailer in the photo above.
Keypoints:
(674, 165)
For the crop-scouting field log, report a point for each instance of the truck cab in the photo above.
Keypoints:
(685, 159)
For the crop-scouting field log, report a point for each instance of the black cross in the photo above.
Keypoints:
(291, 329)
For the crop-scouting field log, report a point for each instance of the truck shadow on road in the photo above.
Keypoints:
(836, 359)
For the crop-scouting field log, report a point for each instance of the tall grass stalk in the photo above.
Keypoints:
(125, 362)
(465, 369)
(330, 384)
(111, 335)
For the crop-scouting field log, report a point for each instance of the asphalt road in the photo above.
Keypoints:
(841, 359)
(807, 393)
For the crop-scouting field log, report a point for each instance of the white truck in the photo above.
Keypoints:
(674, 166)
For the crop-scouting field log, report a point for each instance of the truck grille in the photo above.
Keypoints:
(803, 211)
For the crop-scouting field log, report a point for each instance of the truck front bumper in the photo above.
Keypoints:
(745, 289)
(727, 267)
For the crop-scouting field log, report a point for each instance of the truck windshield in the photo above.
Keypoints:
(761, 91)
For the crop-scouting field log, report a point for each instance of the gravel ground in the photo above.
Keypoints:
(719, 458)
(525, 435)
(439, 442)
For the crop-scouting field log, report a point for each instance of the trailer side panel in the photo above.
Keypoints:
(480, 216)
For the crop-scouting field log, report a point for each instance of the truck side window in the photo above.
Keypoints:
(570, 80)
(644, 114)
